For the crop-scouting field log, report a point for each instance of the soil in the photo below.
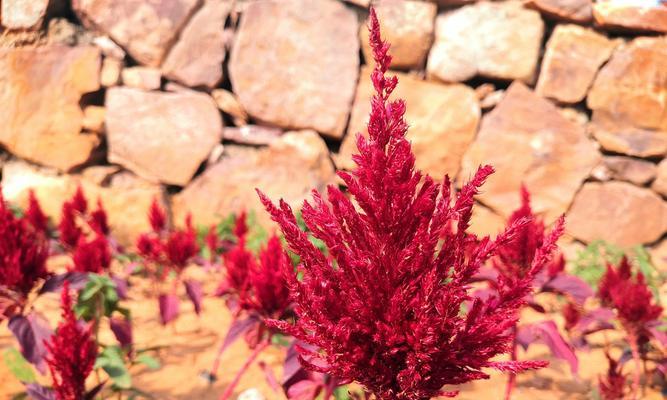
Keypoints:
(189, 345)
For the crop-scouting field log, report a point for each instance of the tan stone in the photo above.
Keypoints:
(23, 14)
(572, 59)
(443, 119)
(628, 99)
(617, 212)
(289, 168)
(141, 78)
(660, 183)
(496, 40)
(109, 48)
(635, 15)
(580, 11)
(196, 58)
(528, 141)
(93, 118)
(126, 203)
(146, 29)
(485, 222)
(161, 136)
(100, 174)
(252, 134)
(629, 169)
(110, 73)
(295, 63)
(229, 104)
(40, 91)
(408, 26)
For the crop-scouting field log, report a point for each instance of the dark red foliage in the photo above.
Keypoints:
(92, 256)
(34, 214)
(23, 252)
(267, 293)
(612, 386)
(157, 217)
(98, 220)
(572, 315)
(631, 298)
(388, 309)
(72, 353)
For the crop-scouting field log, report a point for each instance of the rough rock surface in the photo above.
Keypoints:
(660, 183)
(629, 169)
(618, 212)
(580, 11)
(289, 168)
(572, 59)
(23, 14)
(125, 199)
(408, 26)
(146, 29)
(40, 91)
(229, 104)
(443, 119)
(252, 134)
(628, 99)
(161, 136)
(527, 140)
(146, 78)
(196, 58)
(295, 63)
(631, 15)
(495, 40)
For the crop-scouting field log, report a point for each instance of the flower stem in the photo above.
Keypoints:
(230, 388)
(634, 347)
(511, 380)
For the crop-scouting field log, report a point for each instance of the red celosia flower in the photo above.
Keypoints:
(212, 242)
(267, 293)
(388, 310)
(98, 220)
(631, 298)
(35, 215)
(23, 252)
(79, 202)
(157, 217)
(239, 261)
(149, 247)
(92, 256)
(612, 387)
(69, 230)
(180, 247)
(72, 353)
(241, 226)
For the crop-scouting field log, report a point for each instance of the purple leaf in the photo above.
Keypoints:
(525, 335)
(38, 392)
(195, 293)
(31, 332)
(122, 330)
(121, 286)
(569, 285)
(237, 329)
(596, 320)
(270, 376)
(77, 280)
(304, 390)
(168, 308)
(548, 333)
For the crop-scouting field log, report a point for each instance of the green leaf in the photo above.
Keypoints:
(112, 362)
(280, 340)
(18, 365)
(341, 393)
(149, 361)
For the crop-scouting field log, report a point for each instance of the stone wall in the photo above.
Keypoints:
(198, 102)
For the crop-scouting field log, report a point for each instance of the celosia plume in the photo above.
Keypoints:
(388, 308)
(157, 217)
(69, 230)
(92, 256)
(23, 252)
(612, 386)
(98, 220)
(72, 353)
(35, 215)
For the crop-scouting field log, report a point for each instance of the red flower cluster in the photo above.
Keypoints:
(72, 353)
(23, 252)
(612, 387)
(631, 298)
(392, 308)
(515, 259)
(171, 248)
(258, 284)
(85, 234)
(35, 215)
